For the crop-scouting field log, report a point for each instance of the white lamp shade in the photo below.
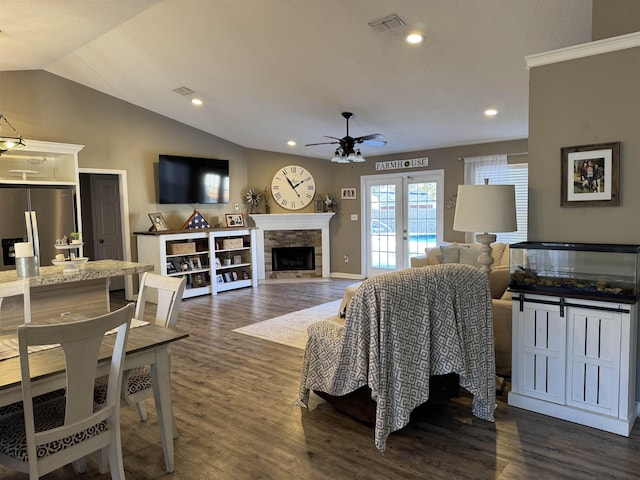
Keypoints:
(485, 208)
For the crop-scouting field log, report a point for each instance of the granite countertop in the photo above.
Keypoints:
(52, 275)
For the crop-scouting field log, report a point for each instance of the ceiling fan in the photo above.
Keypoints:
(346, 152)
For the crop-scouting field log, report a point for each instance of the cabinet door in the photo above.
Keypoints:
(594, 360)
(540, 335)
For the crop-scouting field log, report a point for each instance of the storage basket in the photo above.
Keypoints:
(181, 248)
(232, 243)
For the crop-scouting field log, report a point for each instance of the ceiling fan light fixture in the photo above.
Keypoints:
(337, 157)
(13, 140)
(357, 158)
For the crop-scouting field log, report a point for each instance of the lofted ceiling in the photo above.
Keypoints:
(270, 71)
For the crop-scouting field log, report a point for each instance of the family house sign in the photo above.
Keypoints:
(397, 164)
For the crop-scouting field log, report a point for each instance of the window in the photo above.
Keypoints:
(498, 171)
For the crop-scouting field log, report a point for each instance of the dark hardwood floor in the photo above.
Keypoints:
(234, 399)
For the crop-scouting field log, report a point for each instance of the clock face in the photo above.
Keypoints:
(293, 187)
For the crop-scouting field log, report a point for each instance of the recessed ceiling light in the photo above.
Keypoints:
(414, 38)
(291, 143)
(491, 112)
(196, 101)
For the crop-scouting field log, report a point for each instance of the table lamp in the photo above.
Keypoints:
(485, 208)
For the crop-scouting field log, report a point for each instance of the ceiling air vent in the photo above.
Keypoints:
(388, 23)
(184, 91)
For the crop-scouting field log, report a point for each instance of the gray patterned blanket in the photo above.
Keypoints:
(400, 328)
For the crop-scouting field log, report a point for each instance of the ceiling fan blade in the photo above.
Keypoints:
(321, 143)
(375, 139)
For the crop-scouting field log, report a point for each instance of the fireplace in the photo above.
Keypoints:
(277, 230)
(293, 258)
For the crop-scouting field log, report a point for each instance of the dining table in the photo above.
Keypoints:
(148, 344)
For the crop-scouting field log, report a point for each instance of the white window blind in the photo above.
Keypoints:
(502, 173)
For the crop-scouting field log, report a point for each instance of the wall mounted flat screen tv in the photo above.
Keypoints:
(192, 180)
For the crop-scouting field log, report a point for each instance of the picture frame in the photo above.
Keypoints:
(194, 262)
(234, 219)
(348, 193)
(198, 280)
(319, 205)
(219, 278)
(234, 275)
(218, 262)
(590, 175)
(159, 224)
(227, 277)
(171, 268)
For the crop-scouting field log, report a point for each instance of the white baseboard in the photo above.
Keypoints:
(351, 276)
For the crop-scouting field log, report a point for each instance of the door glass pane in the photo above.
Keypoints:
(421, 217)
(383, 226)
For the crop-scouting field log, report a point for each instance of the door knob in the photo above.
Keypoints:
(101, 241)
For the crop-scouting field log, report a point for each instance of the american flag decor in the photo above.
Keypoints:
(196, 221)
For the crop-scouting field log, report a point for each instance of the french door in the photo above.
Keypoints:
(403, 215)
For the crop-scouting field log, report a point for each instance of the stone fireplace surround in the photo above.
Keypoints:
(291, 225)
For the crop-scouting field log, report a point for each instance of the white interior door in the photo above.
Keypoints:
(403, 216)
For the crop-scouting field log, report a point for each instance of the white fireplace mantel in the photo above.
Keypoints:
(293, 221)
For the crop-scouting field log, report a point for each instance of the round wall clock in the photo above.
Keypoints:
(293, 187)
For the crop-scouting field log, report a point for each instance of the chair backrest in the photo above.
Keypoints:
(166, 292)
(14, 289)
(81, 342)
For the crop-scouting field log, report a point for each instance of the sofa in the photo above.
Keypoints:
(402, 329)
(468, 253)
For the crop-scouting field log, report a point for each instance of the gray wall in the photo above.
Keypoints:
(582, 102)
(614, 17)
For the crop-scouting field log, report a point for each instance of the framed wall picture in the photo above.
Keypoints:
(234, 219)
(348, 193)
(159, 225)
(590, 175)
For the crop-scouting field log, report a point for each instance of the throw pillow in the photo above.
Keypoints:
(450, 254)
(469, 256)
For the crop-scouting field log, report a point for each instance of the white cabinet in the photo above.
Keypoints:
(576, 360)
(41, 163)
(233, 259)
(194, 254)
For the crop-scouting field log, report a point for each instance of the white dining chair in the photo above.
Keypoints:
(14, 289)
(166, 293)
(53, 434)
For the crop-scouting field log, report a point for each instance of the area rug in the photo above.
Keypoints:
(291, 329)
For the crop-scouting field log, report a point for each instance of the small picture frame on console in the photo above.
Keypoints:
(234, 219)
(159, 224)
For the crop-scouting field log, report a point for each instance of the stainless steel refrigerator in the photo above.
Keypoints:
(55, 209)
